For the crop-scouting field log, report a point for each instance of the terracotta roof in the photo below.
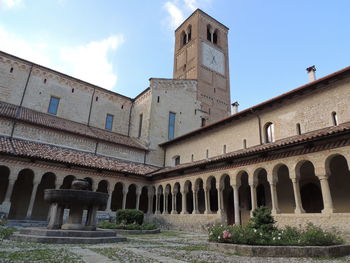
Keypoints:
(290, 141)
(300, 90)
(23, 148)
(42, 119)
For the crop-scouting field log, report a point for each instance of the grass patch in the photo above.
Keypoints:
(191, 248)
(122, 255)
(41, 255)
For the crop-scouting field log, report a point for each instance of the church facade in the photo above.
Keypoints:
(175, 151)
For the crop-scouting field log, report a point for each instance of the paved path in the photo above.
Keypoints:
(90, 256)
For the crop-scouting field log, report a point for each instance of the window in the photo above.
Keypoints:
(334, 118)
(45, 80)
(244, 144)
(298, 129)
(158, 99)
(209, 33)
(53, 106)
(203, 122)
(11, 70)
(183, 37)
(207, 154)
(192, 157)
(215, 37)
(171, 126)
(224, 150)
(109, 122)
(177, 160)
(269, 133)
(140, 125)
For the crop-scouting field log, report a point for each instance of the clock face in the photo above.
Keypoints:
(213, 58)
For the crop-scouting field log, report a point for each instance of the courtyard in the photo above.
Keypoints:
(168, 246)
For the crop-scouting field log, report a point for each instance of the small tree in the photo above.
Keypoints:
(262, 219)
(129, 216)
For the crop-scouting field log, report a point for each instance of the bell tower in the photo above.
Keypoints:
(201, 53)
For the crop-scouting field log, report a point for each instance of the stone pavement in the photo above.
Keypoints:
(172, 247)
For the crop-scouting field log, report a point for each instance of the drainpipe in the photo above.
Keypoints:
(132, 105)
(92, 99)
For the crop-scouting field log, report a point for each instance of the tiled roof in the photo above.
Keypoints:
(23, 148)
(290, 141)
(252, 110)
(42, 119)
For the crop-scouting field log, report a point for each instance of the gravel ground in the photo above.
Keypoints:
(166, 247)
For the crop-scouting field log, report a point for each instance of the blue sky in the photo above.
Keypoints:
(119, 45)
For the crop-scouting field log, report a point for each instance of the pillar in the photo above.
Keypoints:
(253, 197)
(326, 195)
(173, 203)
(207, 201)
(150, 202)
(125, 192)
(165, 204)
(296, 189)
(236, 204)
(32, 198)
(221, 200)
(157, 203)
(195, 202)
(274, 199)
(110, 192)
(6, 204)
(138, 194)
(184, 202)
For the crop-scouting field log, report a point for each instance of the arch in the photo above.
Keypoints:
(131, 197)
(189, 196)
(209, 31)
(102, 186)
(263, 191)
(198, 186)
(269, 132)
(4, 181)
(176, 160)
(284, 189)
(177, 190)
(67, 182)
(310, 188)
(21, 194)
(41, 207)
(227, 199)
(144, 199)
(189, 33)
(245, 203)
(213, 194)
(183, 38)
(117, 197)
(337, 169)
(169, 198)
(160, 194)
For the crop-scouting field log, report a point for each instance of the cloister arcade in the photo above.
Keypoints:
(319, 183)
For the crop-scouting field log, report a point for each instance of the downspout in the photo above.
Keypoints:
(92, 99)
(20, 105)
(164, 157)
(132, 105)
(259, 124)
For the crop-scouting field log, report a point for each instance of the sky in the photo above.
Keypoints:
(119, 45)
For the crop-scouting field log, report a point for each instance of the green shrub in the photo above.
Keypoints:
(109, 225)
(6, 232)
(314, 235)
(262, 220)
(129, 216)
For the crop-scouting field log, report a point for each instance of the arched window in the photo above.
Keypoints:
(209, 33)
(334, 118)
(189, 33)
(183, 38)
(244, 144)
(298, 129)
(176, 160)
(269, 133)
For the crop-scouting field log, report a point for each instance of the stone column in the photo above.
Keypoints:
(253, 197)
(296, 189)
(173, 203)
(165, 204)
(207, 201)
(184, 202)
(157, 203)
(91, 219)
(274, 199)
(195, 202)
(221, 200)
(236, 204)
(109, 202)
(6, 204)
(150, 203)
(125, 192)
(32, 198)
(326, 195)
(56, 218)
(138, 194)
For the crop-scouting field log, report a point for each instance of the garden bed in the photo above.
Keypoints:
(282, 251)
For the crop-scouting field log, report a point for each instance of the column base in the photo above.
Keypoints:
(165, 213)
(5, 207)
(157, 213)
(184, 213)
(208, 212)
(275, 211)
(328, 211)
(174, 212)
(195, 212)
(299, 211)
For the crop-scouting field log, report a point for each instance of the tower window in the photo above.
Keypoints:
(207, 154)
(209, 33)
(202, 122)
(109, 122)
(244, 144)
(192, 157)
(177, 160)
(183, 38)
(140, 125)
(215, 37)
(298, 129)
(334, 118)
(72, 90)
(11, 70)
(96, 99)
(158, 99)
(45, 80)
(269, 133)
(224, 150)
(53, 106)
(171, 125)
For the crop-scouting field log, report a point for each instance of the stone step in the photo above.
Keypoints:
(26, 223)
(66, 240)
(66, 233)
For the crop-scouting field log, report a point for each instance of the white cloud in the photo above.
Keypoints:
(178, 9)
(89, 62)
(10, 3)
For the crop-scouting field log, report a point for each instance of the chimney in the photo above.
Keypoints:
(235, 107)
(311, 73)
